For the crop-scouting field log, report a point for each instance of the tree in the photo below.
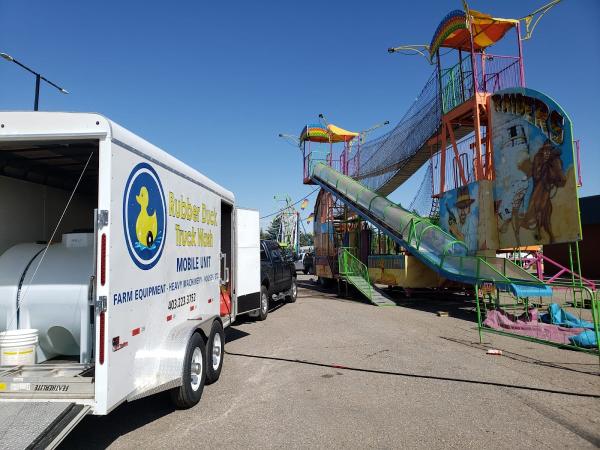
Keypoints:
(273, 230)
(306, 239)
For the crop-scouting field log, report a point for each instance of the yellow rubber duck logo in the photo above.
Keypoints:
(146, 226)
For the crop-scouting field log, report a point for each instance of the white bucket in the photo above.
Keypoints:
(18, 347)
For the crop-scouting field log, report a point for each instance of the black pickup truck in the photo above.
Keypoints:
(278, 276)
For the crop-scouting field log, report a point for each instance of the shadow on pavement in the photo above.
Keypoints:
(313, 285)
(583, 368)
(233, 334)
(418, 376)
(95, 432)
(457, 305)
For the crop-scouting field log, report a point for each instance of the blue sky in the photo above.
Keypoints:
(215, 82)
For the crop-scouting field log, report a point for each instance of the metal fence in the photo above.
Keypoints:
(569, 319)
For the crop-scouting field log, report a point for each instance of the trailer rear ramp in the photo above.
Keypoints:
(436, 248)
(43, 403)
(38, 425)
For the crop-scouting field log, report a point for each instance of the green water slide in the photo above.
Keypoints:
(436, 248)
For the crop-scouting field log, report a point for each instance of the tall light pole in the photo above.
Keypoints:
(290, 139)
(38, 78)
(363, 134)
(323, 119)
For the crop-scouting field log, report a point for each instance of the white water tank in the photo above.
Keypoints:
(56, 300)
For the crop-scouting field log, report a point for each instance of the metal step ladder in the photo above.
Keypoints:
(374, 294)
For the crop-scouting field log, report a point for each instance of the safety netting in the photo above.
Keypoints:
(421, 203)
(381, 158)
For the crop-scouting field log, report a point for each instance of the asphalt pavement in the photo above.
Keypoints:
(327, 372)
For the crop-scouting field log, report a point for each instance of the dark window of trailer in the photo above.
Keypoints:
(226, 241)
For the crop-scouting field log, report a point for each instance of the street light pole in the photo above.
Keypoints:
(293, 140)
(38, 78)
(363, 134)
(36, 104)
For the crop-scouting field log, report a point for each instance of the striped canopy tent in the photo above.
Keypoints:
(314, 133)
(453, 31)
(332, 134)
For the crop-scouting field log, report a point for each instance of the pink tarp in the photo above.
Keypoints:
(528, 325)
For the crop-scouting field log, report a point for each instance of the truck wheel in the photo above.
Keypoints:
(215, 352)
(194, 374)
(292, 293)
(264, 304)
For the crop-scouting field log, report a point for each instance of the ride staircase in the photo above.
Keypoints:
(356, 273)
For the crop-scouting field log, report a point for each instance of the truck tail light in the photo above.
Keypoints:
(101, 337)
(103, 260)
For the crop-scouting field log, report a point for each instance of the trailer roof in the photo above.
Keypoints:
(53, 126)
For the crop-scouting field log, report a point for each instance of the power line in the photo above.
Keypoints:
(295, 203)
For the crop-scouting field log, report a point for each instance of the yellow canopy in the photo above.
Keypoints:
(339, 134)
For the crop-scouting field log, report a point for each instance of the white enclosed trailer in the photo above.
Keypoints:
(119, 255)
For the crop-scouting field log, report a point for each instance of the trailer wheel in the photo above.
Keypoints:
(293, 292)
(215, 352)
(264, 303)
(194, 374)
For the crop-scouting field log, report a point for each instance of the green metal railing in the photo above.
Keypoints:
(456, 84)
(499, 270)
(350, 266)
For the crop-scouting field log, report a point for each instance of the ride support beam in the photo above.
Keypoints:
(489, 149)
(443, 160)
(477, 100)
(461, 170)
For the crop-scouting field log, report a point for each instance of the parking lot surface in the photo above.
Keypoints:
(327, 372)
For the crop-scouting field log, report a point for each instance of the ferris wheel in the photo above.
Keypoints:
(288, 217)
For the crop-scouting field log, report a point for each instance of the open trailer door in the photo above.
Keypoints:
(247, 267)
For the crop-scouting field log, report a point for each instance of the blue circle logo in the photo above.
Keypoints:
(144, 216)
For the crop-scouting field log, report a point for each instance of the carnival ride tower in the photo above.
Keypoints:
(334, 225)
(468, 73)
(503, 174)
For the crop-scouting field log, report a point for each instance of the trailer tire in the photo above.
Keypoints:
(293, 292)
(263, 312)
(188, 394)
(215, 352)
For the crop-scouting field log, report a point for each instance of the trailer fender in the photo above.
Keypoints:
(169, 358)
